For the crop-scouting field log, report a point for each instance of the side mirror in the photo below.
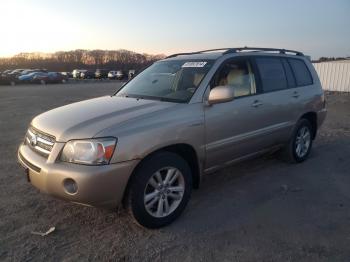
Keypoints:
(220, 94)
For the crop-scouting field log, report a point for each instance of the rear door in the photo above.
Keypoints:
(304, 91)
(279, 96)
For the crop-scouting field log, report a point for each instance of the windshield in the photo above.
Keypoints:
(173, 81)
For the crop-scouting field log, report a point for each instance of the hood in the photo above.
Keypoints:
(87, 118)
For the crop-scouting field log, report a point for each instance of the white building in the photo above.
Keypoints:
(334, 75)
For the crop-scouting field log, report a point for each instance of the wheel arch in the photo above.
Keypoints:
(186, 151)
(312, 118)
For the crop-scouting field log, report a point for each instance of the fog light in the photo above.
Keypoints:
(70, 186)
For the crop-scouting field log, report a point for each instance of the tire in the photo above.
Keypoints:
(12, 83)
(42, 82)
(153, 212)
(294, 152)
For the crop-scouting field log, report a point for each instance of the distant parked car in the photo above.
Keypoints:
(5, 72)
(101, 73)
(112, 74)
(87, 74)
(4, 80)
(9, 77)
(12, 77)
(77, 73)
(29, 78)
(27, 71)
(131, 74)
(51, 77)
(120, 75)
(67, 74)
(16, 71)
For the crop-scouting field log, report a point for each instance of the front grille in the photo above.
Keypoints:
(39, 141)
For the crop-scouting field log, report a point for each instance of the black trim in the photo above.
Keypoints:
(28, 164)
(286, 64)
(230, 50)
(258, 81)
(197, 52)
(281, 51)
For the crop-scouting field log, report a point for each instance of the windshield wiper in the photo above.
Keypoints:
(163, 99)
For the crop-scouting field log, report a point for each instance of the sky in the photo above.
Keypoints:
(316, 27)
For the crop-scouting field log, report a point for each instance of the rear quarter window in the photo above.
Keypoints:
(301, 72)
(272, 74)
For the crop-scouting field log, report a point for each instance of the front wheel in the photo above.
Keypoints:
(160, 190)
(300, 144)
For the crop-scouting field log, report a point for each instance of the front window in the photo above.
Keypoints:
(173, 81)
(238, 74)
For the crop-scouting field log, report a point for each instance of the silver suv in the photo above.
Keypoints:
(149, 144)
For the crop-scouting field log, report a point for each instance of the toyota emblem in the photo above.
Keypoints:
(33, 140)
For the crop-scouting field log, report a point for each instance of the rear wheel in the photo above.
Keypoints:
(300, 144)
(160, 190)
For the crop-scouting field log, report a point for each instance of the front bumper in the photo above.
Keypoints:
(101, 186)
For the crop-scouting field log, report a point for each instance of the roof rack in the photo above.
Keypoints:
(239, 49)
(199, 52)
(281, 51)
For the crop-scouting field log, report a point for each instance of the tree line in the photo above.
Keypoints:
(326, 59)
(80, 59)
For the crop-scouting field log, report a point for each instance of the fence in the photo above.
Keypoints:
(334, 76)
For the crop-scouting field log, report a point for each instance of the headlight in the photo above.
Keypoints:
(89, 152)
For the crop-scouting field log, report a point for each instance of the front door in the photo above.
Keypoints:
(234, 129)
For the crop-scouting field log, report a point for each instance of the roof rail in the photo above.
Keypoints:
(199, 52)
(238, 49)
(174, 55)
(281, 51)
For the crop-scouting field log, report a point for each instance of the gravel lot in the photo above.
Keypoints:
(260, 210)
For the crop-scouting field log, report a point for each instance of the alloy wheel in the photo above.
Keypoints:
(164, 192)
(302, 141)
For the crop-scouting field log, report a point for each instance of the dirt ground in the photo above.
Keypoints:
(259, 210)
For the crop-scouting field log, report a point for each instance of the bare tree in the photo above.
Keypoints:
(90, 59)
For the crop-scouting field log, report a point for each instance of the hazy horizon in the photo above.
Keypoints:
(317, 28)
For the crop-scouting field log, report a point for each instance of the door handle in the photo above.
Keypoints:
(295, 94)
(257, 103)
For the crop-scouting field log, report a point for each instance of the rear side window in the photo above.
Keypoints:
(272, 74)
(301, 72)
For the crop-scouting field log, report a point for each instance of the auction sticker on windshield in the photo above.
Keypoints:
(194, 64)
